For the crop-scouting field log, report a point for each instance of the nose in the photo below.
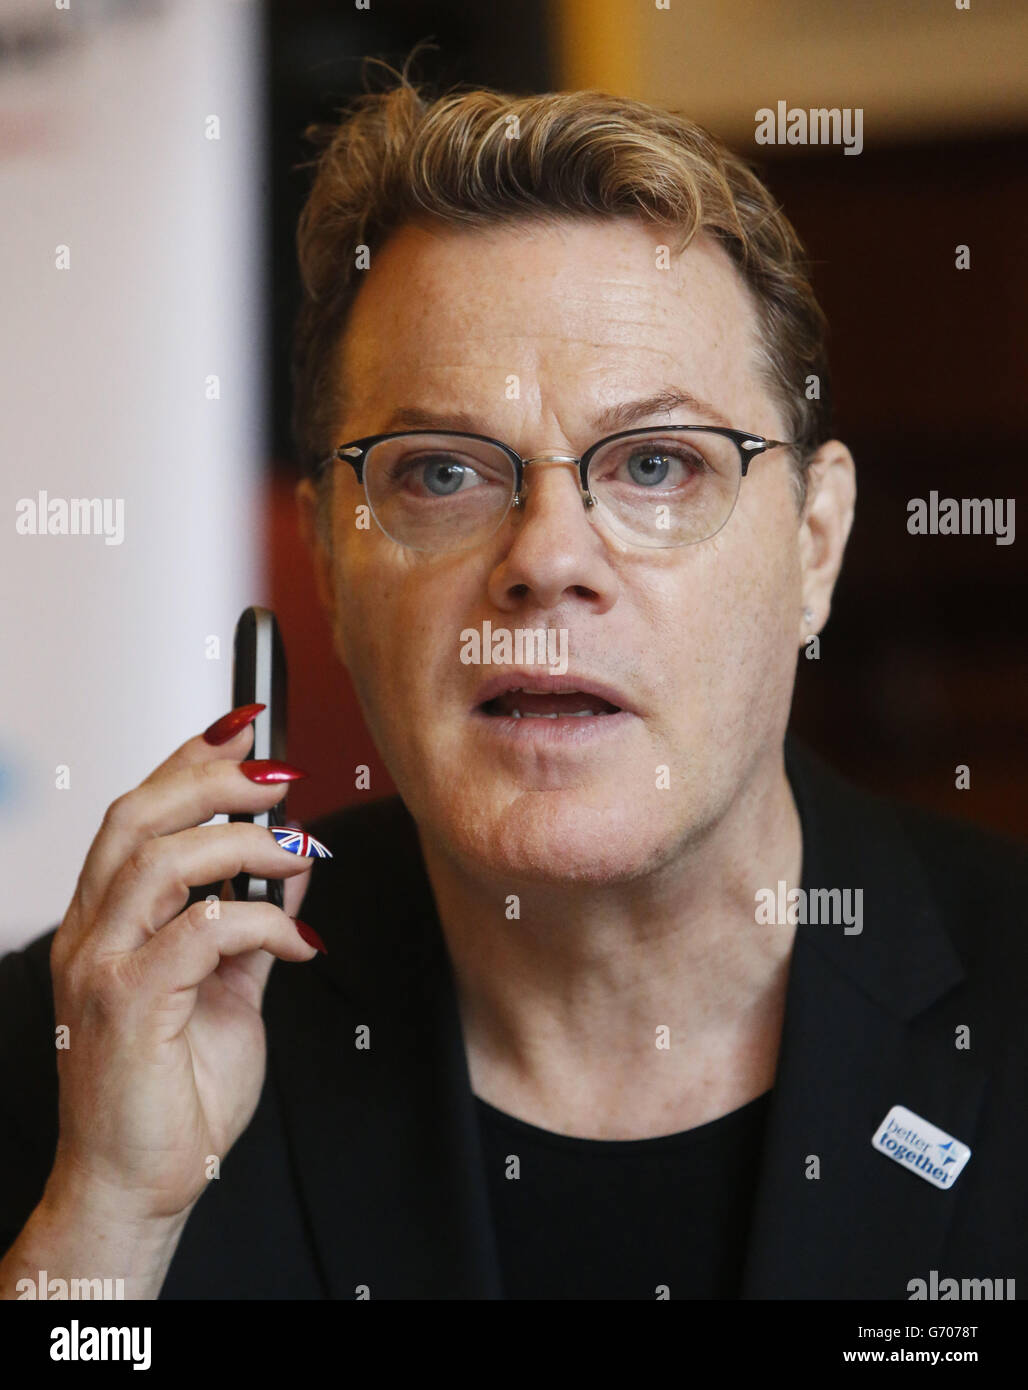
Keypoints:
(556, 552)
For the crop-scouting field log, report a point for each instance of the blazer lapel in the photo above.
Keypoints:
(383, 1136)
(860, 1036)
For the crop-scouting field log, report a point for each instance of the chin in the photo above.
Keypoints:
(568, 836)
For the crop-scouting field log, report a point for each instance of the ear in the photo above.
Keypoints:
(321, 559)
(824, 530)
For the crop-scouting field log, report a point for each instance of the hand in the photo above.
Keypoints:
(166, 1051)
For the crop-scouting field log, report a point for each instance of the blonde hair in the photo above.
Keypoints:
(396, 157)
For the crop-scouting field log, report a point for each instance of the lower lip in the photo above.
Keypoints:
(567, 731)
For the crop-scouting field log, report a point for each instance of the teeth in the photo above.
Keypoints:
(568, 714)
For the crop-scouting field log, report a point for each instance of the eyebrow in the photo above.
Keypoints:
(416, 417)
(616, 417)
(625, 415)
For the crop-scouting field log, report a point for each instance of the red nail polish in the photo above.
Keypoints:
(229, 724)
(310, 935)
(268, 770)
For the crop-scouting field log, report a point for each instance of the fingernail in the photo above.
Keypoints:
(267, 770)
(223, 729)
(299, 842)
(310, 935)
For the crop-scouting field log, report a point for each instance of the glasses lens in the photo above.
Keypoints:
(666, 488)
(438, 491)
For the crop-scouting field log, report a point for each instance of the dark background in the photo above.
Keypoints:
(923, 662)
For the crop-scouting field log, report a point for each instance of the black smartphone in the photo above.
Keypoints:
(259, 677)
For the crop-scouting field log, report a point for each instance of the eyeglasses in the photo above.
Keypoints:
(671, 486)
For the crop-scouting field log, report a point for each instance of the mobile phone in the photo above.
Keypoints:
(259, 677)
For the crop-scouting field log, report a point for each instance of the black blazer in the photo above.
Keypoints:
(363, 1167)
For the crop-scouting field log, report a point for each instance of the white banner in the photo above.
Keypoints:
(131, 327)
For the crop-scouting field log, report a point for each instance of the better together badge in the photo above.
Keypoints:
(922, 1147)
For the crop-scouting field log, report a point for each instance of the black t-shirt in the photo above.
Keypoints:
(620, 1219)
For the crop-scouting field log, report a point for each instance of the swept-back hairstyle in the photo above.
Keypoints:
(478, 158)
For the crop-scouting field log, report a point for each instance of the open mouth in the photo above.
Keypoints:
(521, 703)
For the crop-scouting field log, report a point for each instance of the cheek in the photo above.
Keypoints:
(370, 618)
(761, 668)
(398, 630)
(727, 639)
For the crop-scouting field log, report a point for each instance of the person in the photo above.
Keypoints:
(626, 995)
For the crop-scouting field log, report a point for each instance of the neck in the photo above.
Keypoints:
(638, 1008)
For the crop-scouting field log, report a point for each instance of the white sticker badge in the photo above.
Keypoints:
(925, 1149)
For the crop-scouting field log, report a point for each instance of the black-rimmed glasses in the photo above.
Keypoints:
(657, 487)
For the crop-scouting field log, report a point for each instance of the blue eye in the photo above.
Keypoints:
(437, 475)
(443, 476)
(651, 463)
(648, 467)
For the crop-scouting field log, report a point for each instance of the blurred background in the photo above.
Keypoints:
(161, 143)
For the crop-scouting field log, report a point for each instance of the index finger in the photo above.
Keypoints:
(232, 735)
(229, 738)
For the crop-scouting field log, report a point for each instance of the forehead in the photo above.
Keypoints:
(562, 316)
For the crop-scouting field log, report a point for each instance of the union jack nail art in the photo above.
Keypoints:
(299, 842)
